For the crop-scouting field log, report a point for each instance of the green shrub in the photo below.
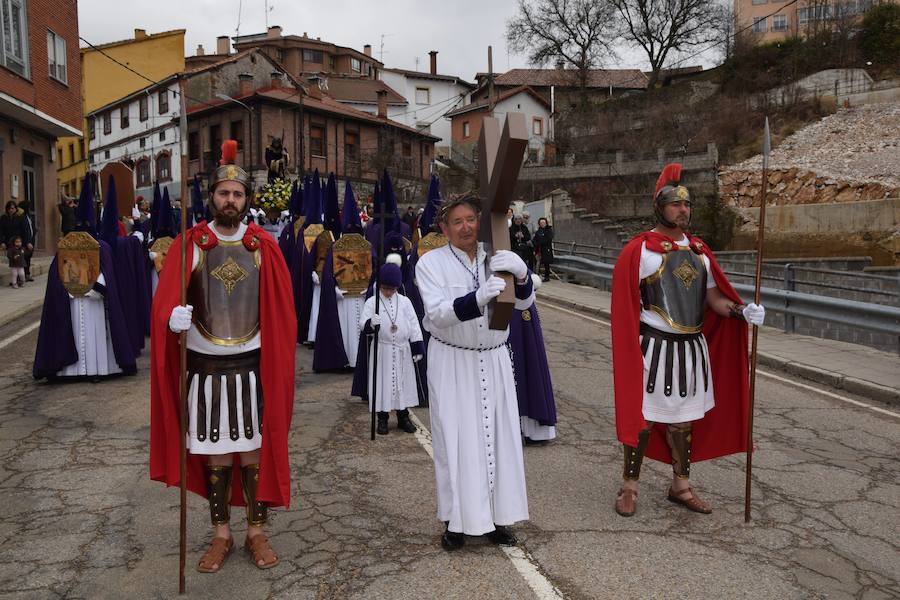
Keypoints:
(880, 35)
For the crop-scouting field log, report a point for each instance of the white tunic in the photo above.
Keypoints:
(478, 459)
(349, 309)
(314, 312)
(198, 343)
(90, 329)
(658, 407)
(396, 377)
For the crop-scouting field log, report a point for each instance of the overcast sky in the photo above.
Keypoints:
(460, 31)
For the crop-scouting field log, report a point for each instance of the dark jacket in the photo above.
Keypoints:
(520, 242)
(68, 217)
(543, 243)
(16, 257)
(13, 226)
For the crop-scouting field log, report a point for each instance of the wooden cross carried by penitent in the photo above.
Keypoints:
(500, 157)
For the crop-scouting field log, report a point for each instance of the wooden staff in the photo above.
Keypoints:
(182, 373)
(382, 215)
(759, 257)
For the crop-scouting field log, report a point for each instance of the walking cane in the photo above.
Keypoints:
(756, 297)
(419, 381)
(182, 373)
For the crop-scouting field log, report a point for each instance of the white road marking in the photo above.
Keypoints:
(519, 557)
(20, 334)
(758, 370)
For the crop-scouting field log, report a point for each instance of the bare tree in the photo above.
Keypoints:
(664, 27)
(578, 32)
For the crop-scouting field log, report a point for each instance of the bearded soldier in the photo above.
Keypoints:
(679, 335)
(240, 362)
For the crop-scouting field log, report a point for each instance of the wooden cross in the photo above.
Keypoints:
(499, 160)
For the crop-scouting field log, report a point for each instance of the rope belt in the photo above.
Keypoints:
(434, 337)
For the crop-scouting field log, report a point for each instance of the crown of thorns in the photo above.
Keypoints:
(470, 198)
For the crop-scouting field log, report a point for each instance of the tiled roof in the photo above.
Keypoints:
(357, 89)
(429, 75)
(600, 78)
(503, 96)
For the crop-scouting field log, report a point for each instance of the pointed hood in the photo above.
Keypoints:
(352, 222)
(198, 206)
(432, 206)
(85, 218)
(154, 208)
(294, 204)
(390, 203)
(109, 222)
(314, 200)
(165, 224)
(332, 210)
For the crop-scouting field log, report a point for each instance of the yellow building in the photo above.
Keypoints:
(103, 80)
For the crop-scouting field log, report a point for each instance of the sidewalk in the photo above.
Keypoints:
(851, 367)
(16, 302)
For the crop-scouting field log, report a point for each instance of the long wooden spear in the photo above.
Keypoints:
(767, 148)
(182, 373)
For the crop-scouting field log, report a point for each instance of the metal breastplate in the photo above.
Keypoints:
(224, 292)
(677, 290)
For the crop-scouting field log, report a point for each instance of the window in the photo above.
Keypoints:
(332, 62)
(194, 145)
(351, 146)
(123, 117)
(423, 126)
(237, 133)
(91, 158)
(92, 127)
(215, 142)
(317, 140)
(759, 24)
(466, 129)
(162, 135)
(279, 54)
(106, 154)
(163, 102)
(423, 95)
(355, 65)
(71, 154)
(107, 123)
(143, 108)
(56, 56)
(142, 142)
(81, 149)
(537, 126)
(163, 166)
(779, 23)
(407, 148)
(313, 56)
(15, 36)
(143, 172)
(759, 1)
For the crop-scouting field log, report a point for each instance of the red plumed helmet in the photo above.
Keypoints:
(671, 175)
(229, 153)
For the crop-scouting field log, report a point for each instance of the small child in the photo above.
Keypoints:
(400, 346)
(16, 255)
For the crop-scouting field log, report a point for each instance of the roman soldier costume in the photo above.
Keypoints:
(680, 369)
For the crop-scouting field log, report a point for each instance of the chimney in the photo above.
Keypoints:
(433, 55)
(382, 104)
(560, 64)
(223, 45)
(367, 49)
(200, 51)
(140, 34)
(276, 79)
(245, 84)
(274, 32)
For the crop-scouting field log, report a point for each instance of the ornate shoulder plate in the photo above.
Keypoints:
(161, 247)
(352, 262)
(430, 242)
(323, 242)
(310, 234)
(78, 262)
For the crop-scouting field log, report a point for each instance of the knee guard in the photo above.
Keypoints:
(634, 457)
(218, 487)
(257, 512)
(679, 438)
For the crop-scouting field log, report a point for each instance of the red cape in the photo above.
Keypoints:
(723, 430)
(278, 335)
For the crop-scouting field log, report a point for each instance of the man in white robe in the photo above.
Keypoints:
(478, 459)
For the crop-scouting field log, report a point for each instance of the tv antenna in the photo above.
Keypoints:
(381, 47)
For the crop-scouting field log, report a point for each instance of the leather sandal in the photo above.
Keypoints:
(216, 554)
(691, 503)
(626, 502)
(259, 547)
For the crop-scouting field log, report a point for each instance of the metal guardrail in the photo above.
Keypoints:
(792, 304)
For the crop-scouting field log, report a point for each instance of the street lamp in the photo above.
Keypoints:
(228, 98)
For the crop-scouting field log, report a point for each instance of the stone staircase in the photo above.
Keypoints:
(575, 223)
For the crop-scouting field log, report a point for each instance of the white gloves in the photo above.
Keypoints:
(490, 290)
(180, 319)
(315, 278)
(339, 293)
(376, 320)
(153, 255)
(417, 357)
(505, 260)
(139, 235)
(94, 294)
(754, 314)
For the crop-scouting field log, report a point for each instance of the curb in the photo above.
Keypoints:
(20, 312)
(837, 381)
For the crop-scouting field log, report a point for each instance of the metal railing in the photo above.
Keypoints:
(792, 304)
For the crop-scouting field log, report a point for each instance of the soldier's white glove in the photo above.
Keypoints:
(339, 293)
(505, 260)
(489, 290)
(315, 278)
(180, 319)
(376, 320)
(754, 314)
(417, 357)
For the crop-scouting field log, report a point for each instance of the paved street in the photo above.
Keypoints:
(81, 519)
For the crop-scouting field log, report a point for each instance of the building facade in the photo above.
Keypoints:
(40, 101)
(773, 20)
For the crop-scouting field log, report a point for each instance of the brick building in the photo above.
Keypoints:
(40, 101)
